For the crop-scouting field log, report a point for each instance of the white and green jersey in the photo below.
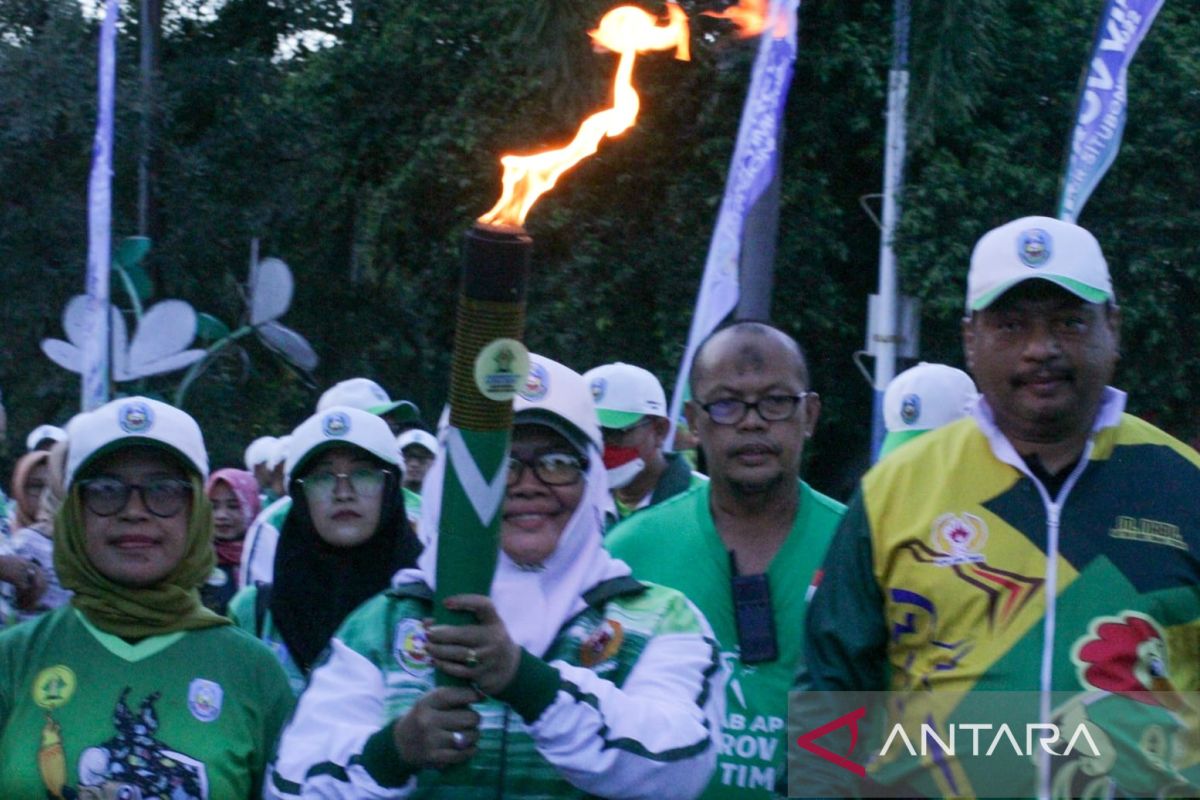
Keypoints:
(625, 703)
(244, 609)
(183, 716)
(258, 550)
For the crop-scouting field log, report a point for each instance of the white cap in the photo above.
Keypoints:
(344, 426)
(134, 421)
(417, 436)
(259, 451)
(368, 395)
(1037, 247)
(279, 452)
(922, 398)
(623, 394)
(554, 394)
(43, 432)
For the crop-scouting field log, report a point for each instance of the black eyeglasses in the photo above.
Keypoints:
(164, 497)
(772, 408)
(365, 481)
(552, 469)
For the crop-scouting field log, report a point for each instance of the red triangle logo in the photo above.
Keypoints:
(851, 719)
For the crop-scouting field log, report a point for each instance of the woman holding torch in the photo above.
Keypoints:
(577, 680)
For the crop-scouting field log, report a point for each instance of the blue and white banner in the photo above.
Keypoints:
(755, 162)
(1103, 100)
(96, 343)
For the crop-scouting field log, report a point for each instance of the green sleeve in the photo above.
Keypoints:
(845, 638)
(845, 650)
(277, 703)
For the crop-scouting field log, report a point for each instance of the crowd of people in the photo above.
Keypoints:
(267, 628)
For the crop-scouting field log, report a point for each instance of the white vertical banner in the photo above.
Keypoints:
(755, 161)
(99, 259)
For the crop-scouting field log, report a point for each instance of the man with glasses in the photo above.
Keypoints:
(745, 547)
(632, 409)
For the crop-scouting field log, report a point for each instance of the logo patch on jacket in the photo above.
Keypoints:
(601, 644)
(959, 539)
(409, 647)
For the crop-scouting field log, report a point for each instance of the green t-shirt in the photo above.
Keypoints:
(183, 716)
(676, 544)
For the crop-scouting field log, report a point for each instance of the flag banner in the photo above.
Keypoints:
(96, 343)
(1103, 99)
(755, 161)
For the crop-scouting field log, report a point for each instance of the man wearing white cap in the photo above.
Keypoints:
(1047, 542)
(632, 409)
(924, 398)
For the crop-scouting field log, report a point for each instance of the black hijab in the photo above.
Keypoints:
(318, 585)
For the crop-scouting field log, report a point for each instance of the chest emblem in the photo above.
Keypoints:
(601, 644)
(409, 647)
(205, 698)
(53, 687)
(960, 539)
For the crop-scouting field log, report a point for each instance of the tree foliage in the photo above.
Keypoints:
(362, 163)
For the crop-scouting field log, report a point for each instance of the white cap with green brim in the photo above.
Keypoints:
(134, 421)
(368, 395)
(1037, 247)
(418, 437)
(624, 394)
(923, 398)
(43, 432)
(558, 397)
(340, 426)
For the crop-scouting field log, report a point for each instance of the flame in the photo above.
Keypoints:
(749, 16)
(626, 30)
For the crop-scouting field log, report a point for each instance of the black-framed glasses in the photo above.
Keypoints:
(364, 481)
(772, 408)
(552, 469)
(163, 497)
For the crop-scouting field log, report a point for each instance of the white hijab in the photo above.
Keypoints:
(534, 604)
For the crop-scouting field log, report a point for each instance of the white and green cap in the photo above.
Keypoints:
(419, 437)
(1037, 247)
(340, 426)
(923, 398)
(368, 395)
(624, 394)
(557, 396)
(134, 421)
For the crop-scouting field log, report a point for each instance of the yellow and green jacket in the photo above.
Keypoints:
(956, 571)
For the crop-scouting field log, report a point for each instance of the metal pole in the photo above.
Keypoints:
(888, 330)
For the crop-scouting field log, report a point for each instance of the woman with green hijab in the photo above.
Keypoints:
(135, 689)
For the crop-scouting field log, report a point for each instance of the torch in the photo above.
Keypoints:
(489, 363)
